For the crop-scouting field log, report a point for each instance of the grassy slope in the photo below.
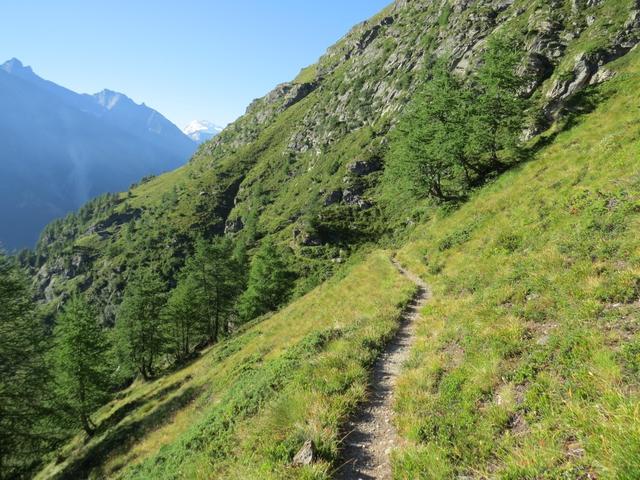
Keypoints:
(283, 187)
(526, 365)
(528, 358)
(251, 402)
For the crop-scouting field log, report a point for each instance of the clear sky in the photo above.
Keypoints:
(188, 59)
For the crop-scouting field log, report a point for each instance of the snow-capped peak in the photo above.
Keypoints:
(201, 130)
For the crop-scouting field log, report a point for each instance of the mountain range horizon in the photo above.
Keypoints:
(16, 66)
(64, 148)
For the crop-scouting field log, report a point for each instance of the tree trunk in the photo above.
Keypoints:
(86, 424)
(216, 325)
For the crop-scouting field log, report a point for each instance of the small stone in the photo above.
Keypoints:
(543, 340)
(306, 455)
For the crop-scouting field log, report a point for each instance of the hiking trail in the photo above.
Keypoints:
(371, 435)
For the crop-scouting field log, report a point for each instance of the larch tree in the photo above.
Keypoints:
(80, 362)
(497, 109)
(23, 374)
(140, 332)
(216, 277)
(182, 318)
(269, 283)
(428, 146)
(454, 134)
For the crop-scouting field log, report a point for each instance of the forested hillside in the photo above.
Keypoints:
(212, 321)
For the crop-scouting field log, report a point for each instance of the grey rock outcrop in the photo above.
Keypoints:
(332, 198)
(363, 167)
(588, 66)
(306, 238)
(233, 225)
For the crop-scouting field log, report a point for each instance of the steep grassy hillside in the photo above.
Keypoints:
(527, 361)
(247, 405)
(303, 165)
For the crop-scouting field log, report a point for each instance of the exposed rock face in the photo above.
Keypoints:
(297, 93)
(351, 196)
(52, 274)
(601, 76)
(584, 69)
(305, 238)
(537, 70)
(332, 198)
(363, 167)
(233, 225)
(588, 66)
(114, 220)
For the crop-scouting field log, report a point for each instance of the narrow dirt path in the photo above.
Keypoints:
(372, 435)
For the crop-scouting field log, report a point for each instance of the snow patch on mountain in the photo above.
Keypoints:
(201, 130)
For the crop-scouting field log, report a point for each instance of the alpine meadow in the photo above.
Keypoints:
(418, 259)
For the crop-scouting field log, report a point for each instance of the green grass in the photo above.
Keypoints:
(252, 401)
(526, 363)
(445, 13)
(307, 74)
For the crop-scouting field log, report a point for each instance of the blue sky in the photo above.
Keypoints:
(189, 59)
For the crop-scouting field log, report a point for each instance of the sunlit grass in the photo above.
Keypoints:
(314, 356)
(518, 370)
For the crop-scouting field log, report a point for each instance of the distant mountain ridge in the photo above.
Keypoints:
(201, 131)
(62, 148)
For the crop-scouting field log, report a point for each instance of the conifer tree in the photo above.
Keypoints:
(454, 135)
(23, 374)
(216, 277)
(497, 110)
(269, 283)
(139, 328)
(428, 146)
(182, 317)
(80, 360)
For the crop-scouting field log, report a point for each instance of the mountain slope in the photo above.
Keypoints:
(61, 149)
(525, 363)
(303, 164)
(311, 358)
